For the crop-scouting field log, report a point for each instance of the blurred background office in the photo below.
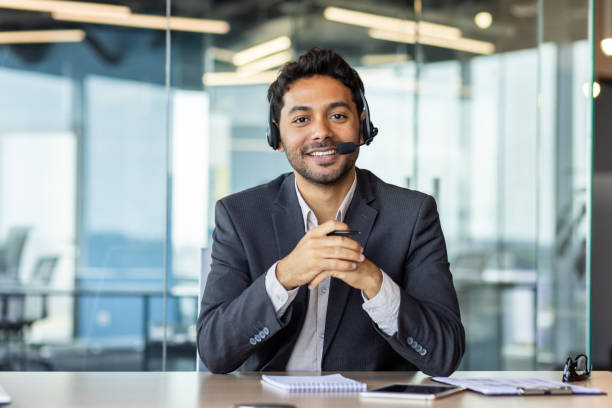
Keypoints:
(123, 121)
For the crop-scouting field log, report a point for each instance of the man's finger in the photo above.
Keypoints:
(318, 279)
(322, 243)
(327, 274)
(327, 227)
(337, 265)
(336, 252)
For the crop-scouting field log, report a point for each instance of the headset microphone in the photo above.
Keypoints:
(346, 148)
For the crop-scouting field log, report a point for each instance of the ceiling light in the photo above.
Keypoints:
(47, 6)
(376, 21)
(483, 20)
(596, 89)
(460, 44)
(148, 21)
(236, 78)
(383, 59)
(367, 20)
(267, 63)
(261, 50)
(221, 54)
(41, 36)
(586, 88)
(606, 46)
(438, 30)
(408, 38)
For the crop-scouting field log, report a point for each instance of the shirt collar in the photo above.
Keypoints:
(310, 220)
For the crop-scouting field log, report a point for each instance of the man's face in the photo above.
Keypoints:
(319, 113)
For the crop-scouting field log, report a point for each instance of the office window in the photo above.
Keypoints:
(116, 142)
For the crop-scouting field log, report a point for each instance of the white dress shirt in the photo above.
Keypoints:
(383, 308)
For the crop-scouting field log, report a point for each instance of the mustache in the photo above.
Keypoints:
(317, 145)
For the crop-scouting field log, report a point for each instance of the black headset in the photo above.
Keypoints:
(367, 127)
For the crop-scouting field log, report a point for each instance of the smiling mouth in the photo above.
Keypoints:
(324, 153)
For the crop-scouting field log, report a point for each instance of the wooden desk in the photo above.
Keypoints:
(191, 389)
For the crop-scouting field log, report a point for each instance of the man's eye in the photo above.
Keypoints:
(338, 116)
(301, 119)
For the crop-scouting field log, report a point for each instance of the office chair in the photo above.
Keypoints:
(11, 251)
(19, 311)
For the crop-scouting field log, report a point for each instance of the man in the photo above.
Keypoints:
(284, 294)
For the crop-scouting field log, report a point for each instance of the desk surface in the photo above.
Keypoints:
(191, 389)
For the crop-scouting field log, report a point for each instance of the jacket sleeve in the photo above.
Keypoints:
(430, 334)
(236, 314)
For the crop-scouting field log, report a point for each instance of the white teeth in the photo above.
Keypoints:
(326, 153)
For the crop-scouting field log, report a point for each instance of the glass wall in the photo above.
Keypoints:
(115, 146)
(83, 192)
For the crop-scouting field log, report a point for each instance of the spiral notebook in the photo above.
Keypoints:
(314, 383)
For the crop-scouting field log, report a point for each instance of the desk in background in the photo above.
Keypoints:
(17, 291)
(191, 389)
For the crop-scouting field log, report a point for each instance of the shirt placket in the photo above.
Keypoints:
(315, 296)
(321, 313)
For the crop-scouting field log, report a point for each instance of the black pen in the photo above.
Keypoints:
(343, 233)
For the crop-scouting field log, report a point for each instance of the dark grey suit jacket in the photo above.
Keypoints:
(400, 233)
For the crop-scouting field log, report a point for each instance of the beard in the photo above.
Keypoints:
(297, 161)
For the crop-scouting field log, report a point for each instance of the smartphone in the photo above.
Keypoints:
(412, 391)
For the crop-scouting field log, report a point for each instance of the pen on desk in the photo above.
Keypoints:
(343, 233)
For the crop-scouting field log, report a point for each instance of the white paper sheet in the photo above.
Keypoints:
(512, 385)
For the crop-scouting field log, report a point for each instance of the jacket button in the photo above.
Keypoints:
(262, 334)
(257, 338)
(423, 352)
(266, 331)
(418, 348)
(410, 340)
(252, 341)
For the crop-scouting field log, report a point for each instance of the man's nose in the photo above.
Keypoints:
(320, 129)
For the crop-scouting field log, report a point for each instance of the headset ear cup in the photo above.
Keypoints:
(367, 127)
(365, 131)
(269, 138)
(274, 136)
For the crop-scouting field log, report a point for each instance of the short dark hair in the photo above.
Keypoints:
(317, 61)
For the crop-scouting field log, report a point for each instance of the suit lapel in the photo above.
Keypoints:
(289, 229)
(287, 218)
(360, 216)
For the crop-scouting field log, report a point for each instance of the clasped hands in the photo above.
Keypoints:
(318, 257)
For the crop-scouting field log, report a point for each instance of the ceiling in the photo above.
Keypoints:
(515, 22)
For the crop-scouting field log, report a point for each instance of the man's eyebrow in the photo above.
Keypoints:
(299, 108)
(330, 106)
(338, 105)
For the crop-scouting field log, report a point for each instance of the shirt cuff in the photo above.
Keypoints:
(281, 298)
(383, 308)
